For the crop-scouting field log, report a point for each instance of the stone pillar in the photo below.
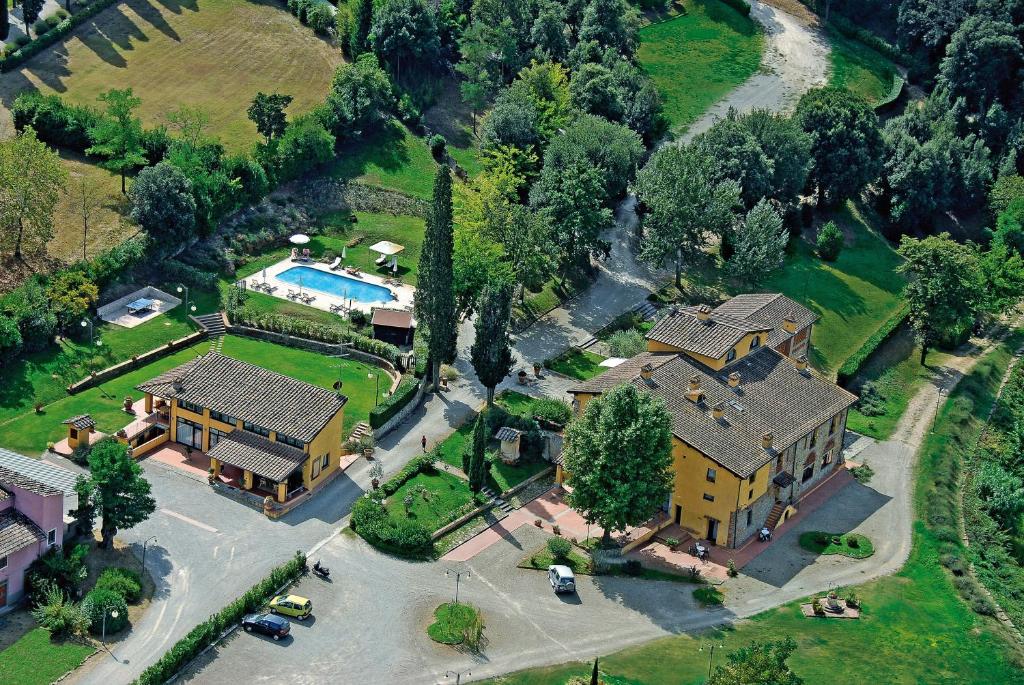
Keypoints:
(282, 491)
(149, 403)
(247, 480)
(215, 465)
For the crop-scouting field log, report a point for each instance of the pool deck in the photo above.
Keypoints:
(402, 295)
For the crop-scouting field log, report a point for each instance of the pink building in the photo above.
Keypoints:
(32, 518)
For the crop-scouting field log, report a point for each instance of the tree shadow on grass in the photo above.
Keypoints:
(385, 149)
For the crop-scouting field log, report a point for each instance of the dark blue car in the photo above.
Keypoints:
(268, 624)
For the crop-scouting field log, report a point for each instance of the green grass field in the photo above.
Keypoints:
(577, 364)
(696, 58)
(853, 295)
(914, 628)
(36, 660)
(30, 432)
(211, 54)
(437, 499)
(393, 159)
(859, 68)
(896, 370)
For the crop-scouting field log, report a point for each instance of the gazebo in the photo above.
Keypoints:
(386, 248)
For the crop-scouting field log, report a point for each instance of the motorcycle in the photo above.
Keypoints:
(321, 571)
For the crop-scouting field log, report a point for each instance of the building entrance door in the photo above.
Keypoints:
(679, 514)
(189, 433)
(712, 530)
(3, 593)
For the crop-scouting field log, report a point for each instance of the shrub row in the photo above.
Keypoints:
(894, 93)
(741, 6)
(316, 14)
(855, 361)
(174, 270)
(207, 632)
(402, 536)
(403, 395)
(421, 464)
(53, 35)
(869, 38)
(288, 325)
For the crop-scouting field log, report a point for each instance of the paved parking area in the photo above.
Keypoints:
(370, 620)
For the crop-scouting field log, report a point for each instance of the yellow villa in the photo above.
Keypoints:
(754, 429)
(275, 435)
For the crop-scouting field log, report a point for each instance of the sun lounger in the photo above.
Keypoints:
(335, 264)
(337, 308)
(305, 254)
(269, 289)
(292, 294)
(295, 254)
(308, 298)
(380, 261)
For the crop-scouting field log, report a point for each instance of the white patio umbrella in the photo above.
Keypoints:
(299, 239)
(344, 248)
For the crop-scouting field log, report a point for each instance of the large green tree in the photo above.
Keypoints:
(983, 62)
(491, 352)
(360, 98)
(435, 296)
(759, 244)
(404, 32)
(946, 289)
(478, 454)
(267, 112)
(362, 19)
(32, 178)
(684, 205)
(846, 143)
(161, 202)
(759, 663)
(122, 493)
(117, 137)
(618, 453)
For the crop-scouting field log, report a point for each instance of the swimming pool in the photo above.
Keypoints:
(336, 284)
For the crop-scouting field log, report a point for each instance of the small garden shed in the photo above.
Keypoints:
(510, 439)
(395, 326)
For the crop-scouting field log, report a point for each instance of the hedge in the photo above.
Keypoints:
(210, 630)
(53, 35)
(854, 362)
(371, 520)
(403, 395)
(174, 270)
(277, 323)
(741, 6)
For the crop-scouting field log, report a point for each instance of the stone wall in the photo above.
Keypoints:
(135, 362)
(403, 413)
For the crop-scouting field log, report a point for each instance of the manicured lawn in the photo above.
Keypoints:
(858, 68)
(210, 54)
(451, 621)
(696, 58)
(914, 628)
(437, 499)
(504, 476)
(515, 402)
(450, 450)
(36, 660)
(577, 363)
(896, 370)
(29, 433)
(853, 295)
(848, 545)
(394, 159)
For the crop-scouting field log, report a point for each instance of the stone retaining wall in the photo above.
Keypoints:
(135, 362)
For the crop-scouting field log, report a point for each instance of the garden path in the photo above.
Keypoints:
(18, 24)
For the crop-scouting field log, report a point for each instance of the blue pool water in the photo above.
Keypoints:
(336, 284)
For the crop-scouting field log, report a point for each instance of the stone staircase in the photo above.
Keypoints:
(647, 310)
(213, 324)
(361, 429)
(774, 515)
(496, 501)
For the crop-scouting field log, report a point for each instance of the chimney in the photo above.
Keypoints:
(766, 441)
(646, 371)
(734, 379)
(177, 385)
(801, 363)
(718, 411)
(703, 313)
(694, 393)
(789, 323)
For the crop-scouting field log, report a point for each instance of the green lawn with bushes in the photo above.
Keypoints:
(577, 363)
(914, 627)
(697, 58)
(394, 159)
(36, 659)
(435, 499)
(859, 68)
(845, 544)
(30, 432)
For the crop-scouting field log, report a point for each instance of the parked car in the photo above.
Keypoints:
(291, 605)
(561, 578)
(268, 624)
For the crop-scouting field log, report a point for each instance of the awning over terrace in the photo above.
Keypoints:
(250, 452)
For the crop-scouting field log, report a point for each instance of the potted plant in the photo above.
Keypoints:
(376, 473)
(128, 404)
(536, 369)
(211, 477)
(366, 445)
(522, 377)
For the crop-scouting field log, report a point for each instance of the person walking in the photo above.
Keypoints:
(423, 442)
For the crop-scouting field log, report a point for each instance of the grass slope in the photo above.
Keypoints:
(697, 58)
(211, 54)
(37, 660)
(852, 295)
(914, 629)
(859, 68)
(30, 432)
(393, 159)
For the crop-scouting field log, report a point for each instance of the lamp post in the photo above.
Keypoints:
(935, 414)
(457, 675)
(113, 614)
(184, 289)
(144, 543)
(711, 657)
(88, 323)
(376, 386)
(448, 573)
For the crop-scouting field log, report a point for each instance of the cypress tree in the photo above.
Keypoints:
(491, 353)
(362, 17)
(435, 296)
(478, 459)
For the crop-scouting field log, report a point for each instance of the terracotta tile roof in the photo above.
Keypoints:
(395, 318)
(81, 422)
(712, 338)
(251, 452)
(769, 309)
(4, 495)
(773, 397)
(9, 476)
(18, 531)
(251, 393)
